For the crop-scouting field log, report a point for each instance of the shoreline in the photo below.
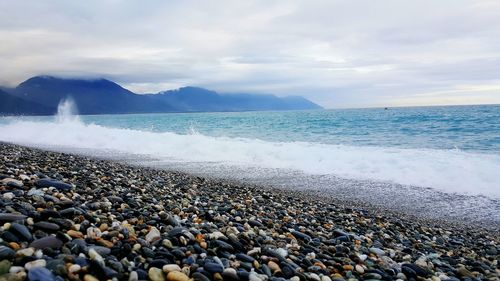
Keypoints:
(326, 196)
(300, 235)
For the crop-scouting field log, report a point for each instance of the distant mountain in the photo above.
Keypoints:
(42, 94)
(5, 89)
(11, 105)
(98, 96)
(199, 99)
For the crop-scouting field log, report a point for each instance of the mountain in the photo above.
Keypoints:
(11, 105)
(199, 99)
(97, 96)
(42, 94)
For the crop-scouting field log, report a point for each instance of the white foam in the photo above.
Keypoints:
(446, 170)
(67, 112)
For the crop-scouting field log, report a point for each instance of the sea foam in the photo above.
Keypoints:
(451, 171)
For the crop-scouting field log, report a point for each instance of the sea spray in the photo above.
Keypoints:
(67, 111)
(445, 170)
(174, 138)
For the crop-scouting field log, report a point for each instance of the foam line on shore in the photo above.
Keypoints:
(444, 170)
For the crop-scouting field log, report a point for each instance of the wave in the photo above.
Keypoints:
(451, 171)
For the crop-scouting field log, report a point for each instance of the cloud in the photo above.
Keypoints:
(337, 53)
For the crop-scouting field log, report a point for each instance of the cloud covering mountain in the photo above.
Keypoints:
(40, 95)
(336, 53)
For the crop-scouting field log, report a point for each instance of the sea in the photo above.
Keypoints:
(439, 162)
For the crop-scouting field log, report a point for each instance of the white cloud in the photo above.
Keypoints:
(337, 53)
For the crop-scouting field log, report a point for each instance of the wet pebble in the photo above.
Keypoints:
(10, 217)
(47, 242)
(76, 218)
(41, 274)
(53, 183)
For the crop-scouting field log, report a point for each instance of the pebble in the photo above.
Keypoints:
(10, 217)
(5, 266)
(133, 276)
(21, 232)
(74, 268)
(88, 277)
(153, 235)
(6, 253)
(16, 269)
(93, 233)
(36, 263)
(177, 276)
(171, 267)
(155, 274)
(213, 267)
(28, 252)
(46, 226)
(325, 278)
(359, 269)
(95, 256)
(41, 274)
(47, 242)
(77, 218)
(377, 251)
(8, 195)
(12, 183)
(74, 233)
(53, 183)
(372, 275)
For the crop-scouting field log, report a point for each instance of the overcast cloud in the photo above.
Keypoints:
(336, 53)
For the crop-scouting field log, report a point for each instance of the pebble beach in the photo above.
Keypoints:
(68, 217)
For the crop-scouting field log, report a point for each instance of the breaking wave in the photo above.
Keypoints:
(451, 171)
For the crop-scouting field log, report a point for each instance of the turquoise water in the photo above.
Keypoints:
(438, 162)
(453, 149)
(474, 128)
(470, 128)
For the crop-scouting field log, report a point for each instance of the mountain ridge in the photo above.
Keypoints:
(11, 105)
(102, 96)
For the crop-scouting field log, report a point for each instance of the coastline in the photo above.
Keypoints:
(186, 220)
(344, 197)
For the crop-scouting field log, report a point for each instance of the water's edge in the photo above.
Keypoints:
(415, 203)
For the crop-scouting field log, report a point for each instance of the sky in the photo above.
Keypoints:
(335, 53)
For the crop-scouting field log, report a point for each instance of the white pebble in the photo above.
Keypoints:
(360, 269)
(153, 235)
(35, 263)
(9, 195)
(38, 254)
(216, 235)
(171, 267)
(94, 255)
(74, 268)
(16, 269)
(325, 278)
(311, 256)
(133, 276)
(28, 252)
(93, 232)
(314, 276)
(282, 252)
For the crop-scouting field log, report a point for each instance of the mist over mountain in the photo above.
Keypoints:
(42, 94)
(199, 99)
(98, 96)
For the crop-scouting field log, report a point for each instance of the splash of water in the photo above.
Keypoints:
(192, 130)
(67, 112)
(445, 170)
